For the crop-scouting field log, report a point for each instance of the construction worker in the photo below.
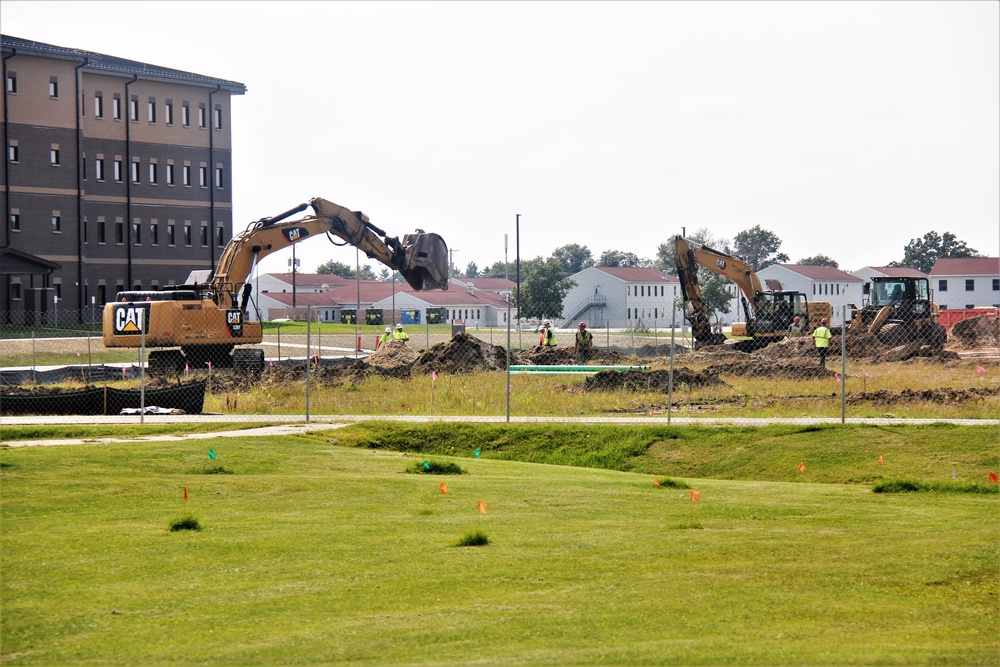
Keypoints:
(400, 334)
(386, 337)
(548, 337)
(795, 331)
(821, 336)
(584, 342)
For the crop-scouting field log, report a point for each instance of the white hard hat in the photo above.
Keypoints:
(399, 326)
(388, 330)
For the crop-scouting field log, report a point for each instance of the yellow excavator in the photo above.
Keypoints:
(769, 312)
(203, 323)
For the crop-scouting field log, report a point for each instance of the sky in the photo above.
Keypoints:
(846, 128)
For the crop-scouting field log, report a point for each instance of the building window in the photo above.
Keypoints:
(102, 237)
(154, 234)
(970, 306)
(119, 171)
(942, 285)
(152, 173)
(54, 157)
(135, 171)
(136, 233)
(15, 291)
(219, 180)
(152, 110)
(201, 116)
(15, 222)
(12, 153)
(170, 174)
(187, 235)
(56, 224)
(203, 176)
(98, 105)
(186, 175)
(185, 115)
(220, 237)
(204, 236)
(12, 83)
(85, 225)
(171, 237)
(970, 285)
(133, 109)
(120, 232)
(996, 284)
(168, 112)
(54, 87)
(116, 107)
(99, 169)
(218, 117)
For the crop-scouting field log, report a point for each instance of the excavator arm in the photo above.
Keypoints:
(421, 258)
(689, 256)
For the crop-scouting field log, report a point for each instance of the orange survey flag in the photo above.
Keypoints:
(695, 496)
(880, 461)
(443, 487)
(994, 478)
(656, 480)
(482, 507)
(802, 467)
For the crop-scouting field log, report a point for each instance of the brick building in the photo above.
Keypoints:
(116, 175)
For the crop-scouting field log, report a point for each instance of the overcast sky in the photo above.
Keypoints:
(846, 128)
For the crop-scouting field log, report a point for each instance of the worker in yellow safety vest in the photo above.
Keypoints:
(386, 337)
(400, 334)
(822, 337)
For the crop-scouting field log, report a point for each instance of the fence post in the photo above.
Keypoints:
(670, 384)
(142, 372)
(843, 365)
(34, 378)
(308, 356)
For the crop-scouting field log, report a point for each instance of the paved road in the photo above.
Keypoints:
(293, 424)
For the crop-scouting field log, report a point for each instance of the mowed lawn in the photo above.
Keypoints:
(315, 553)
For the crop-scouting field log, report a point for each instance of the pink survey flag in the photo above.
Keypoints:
(864, 372)
(434, 375)
(837, 376)
(980, 369)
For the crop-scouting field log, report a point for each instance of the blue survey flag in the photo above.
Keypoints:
(211, 453)
(478, 452)
(427, 466)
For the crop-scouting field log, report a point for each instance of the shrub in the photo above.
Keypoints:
(911, 486)
(476, 538)
(435, 468)
(185, 523)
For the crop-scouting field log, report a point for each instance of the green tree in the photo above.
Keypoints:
(543, 287)
(471, 270)
(335, 268)
(921, 253)
(819, 260)
(665, 251)
(758, 247)
(574, 257)
(715, 292)
(344, 271)
(499, 270)
(620, 258)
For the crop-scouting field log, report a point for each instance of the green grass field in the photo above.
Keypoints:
(323, 548)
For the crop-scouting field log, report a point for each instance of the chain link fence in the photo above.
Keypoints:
(169, 357)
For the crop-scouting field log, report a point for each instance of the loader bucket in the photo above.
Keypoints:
(426, 261)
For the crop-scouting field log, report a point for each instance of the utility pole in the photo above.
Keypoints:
(505, 271)
(451, 260)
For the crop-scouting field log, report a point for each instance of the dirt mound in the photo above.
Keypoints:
(635, 380)
(462, 355)
(567, 356)
(757, 367)
(976, 332)
(887, 397)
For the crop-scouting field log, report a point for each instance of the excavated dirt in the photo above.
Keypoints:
(462, 355)
(756, 367)
(636, 380)
(567, 356)
(887, 397)
(976, 332)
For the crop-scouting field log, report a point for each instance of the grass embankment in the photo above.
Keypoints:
(84, 431)
(312, 553)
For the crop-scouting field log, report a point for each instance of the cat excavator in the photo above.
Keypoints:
(203, 323)
(769, 312)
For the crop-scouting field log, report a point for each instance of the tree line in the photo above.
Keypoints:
(545, 281)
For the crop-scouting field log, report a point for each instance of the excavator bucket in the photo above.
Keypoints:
(426, 261)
